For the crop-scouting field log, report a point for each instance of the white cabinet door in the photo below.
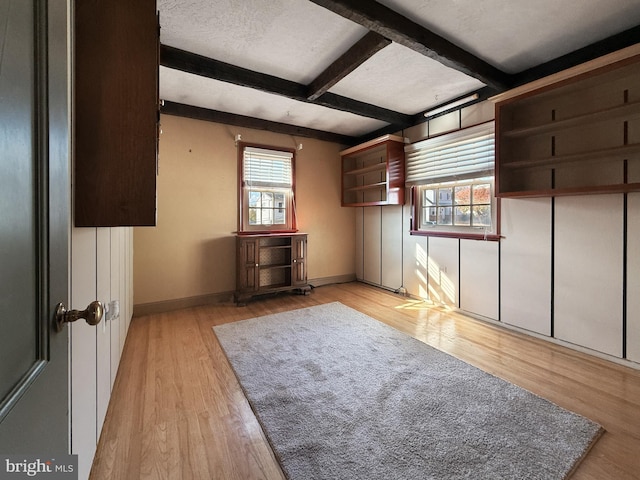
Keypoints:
(588, 262)
(372, 245)
(391, 246)
(633, 277)
(83, 350)
(525, 264)
(479, 278)
(360, 243)
(442, 267)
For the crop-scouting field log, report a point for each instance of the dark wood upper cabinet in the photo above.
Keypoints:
(116, 112)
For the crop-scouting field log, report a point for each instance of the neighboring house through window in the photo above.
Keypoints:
(267, 201)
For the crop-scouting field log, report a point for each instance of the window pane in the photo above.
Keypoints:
(445, 196)
(267, 199)
(482, 216)
(444, 215)
(462, 216)
(429, 216)
(254, 215)
(266, 216)
(482, 194)
(429, 197)
(463, 195)
(254, 199)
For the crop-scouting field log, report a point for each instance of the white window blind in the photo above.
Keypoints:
(458, 155)
(267, 168)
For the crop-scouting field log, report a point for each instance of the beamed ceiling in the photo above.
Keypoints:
(351, 70)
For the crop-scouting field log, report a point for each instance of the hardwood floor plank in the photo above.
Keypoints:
(177, 410)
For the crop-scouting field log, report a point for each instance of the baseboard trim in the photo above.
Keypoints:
(319, 282)
(215, 298)
(180, 303)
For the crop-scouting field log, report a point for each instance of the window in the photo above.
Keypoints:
(452, 179)
(266, 189)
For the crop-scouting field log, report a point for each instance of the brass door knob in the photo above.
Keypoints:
(93, 314)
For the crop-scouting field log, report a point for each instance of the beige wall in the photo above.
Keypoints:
(191, 251)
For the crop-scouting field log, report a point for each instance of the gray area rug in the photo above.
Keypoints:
(343, 396)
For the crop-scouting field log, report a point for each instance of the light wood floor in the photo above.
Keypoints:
(177, 411)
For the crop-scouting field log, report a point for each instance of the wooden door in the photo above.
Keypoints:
(299, 261)
(248, 264)
(34, 212)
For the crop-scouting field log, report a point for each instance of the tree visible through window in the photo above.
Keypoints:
(266, 188)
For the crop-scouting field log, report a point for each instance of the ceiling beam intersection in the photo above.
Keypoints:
(359, 53)
(188, 62)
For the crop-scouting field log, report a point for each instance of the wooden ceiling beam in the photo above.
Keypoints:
(359, 53)
(199, 113)
(177, 59)
(590, 52)
(397, 28)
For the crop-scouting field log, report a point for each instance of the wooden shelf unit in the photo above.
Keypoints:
(578, 136)
(373, 173)
(269, 263)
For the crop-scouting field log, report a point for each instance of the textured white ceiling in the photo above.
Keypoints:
(403, 80)
(296, 40)
(290, 39)
(195, 90)
(515, 35)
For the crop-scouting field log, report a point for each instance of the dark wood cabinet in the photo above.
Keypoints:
(373, 173)
(270, 263)
(578, 136)
(116, 112)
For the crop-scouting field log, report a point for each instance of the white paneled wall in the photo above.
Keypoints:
(391, 246)
(372, 245)
(443, 264)
(588, 266)
(558, 269)
(525, 264)
(101, 268)
(479, 277)
(633, 277)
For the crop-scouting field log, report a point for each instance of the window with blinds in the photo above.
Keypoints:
(459, 155)
(452, 179)
(266, 197)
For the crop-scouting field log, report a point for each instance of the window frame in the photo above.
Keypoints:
(243, 194)
(416, 188)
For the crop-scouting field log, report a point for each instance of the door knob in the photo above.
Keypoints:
(93, 314)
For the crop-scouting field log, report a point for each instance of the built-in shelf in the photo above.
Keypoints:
(373, 173)
(579, 136)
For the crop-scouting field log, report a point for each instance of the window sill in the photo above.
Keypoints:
(490, 237)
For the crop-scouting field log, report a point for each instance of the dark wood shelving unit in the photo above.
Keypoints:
(373, 173)
(578, 136)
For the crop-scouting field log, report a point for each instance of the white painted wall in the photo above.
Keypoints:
(101, 268)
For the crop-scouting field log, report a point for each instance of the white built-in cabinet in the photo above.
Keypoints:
(588, 271)
(443, 265)
(372, 245)
(101, 268)
(479, 262)
(633, 277)
(525, 266)
(391, 246)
